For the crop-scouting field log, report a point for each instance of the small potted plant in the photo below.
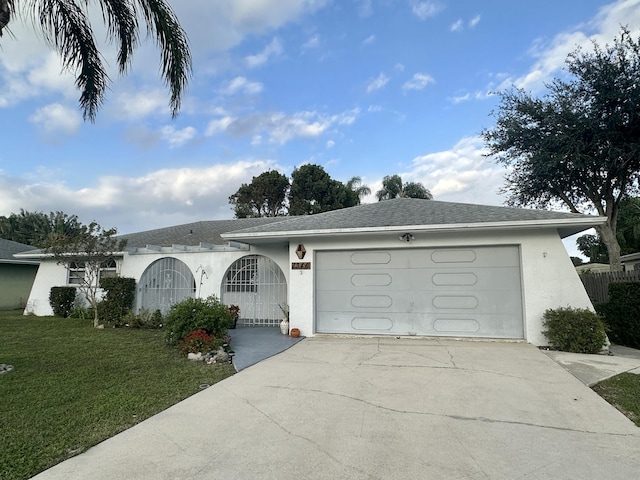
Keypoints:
(284, 324)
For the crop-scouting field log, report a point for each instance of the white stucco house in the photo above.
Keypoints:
(397, 267)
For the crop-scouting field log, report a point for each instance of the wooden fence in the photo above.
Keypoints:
(597, 284)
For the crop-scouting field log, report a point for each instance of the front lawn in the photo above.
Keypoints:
(74, 386)
(623, 392)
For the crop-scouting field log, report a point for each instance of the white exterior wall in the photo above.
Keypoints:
(50, 274)
(215, 264)
(549, 279)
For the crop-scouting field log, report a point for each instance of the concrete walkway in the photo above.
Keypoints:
(592, 369)
(379, 408)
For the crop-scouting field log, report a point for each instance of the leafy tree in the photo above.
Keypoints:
(592, 248)
(34, 228)
(392, 187)
(66, 27)
(265, 196)
(577, 261)
(628, 234)
(579, 145)
(91, 247)
(314, 191)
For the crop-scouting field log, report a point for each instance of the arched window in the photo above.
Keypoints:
(165, 282)
(257, 285)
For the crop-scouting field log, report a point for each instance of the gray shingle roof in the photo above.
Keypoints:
(403, 212)
(8, 248)
(192, 234)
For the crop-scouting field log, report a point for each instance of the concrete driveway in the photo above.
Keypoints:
(379, 408)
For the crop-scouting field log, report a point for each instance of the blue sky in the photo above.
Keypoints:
(361, 87)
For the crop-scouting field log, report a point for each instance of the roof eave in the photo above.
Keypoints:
(565, 227)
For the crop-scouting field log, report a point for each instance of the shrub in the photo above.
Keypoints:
(576, 330)
(622, 313)
(198, 341)
(193, 314)
(118, 299)
(144, 319)
(61, 300)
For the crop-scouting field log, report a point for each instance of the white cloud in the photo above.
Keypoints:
(418, 82)
(162, 198)
(460, 174)
(474, 21)
(273, 49)
(281, 128)
(219, 125)
(313, 42)
(550, 55)
(241, 84)
(377, 83)
(177, 138)
(370, 40)
(56, 119)
(330, 144)
(425, 8)
(136, 105)
(457, 26)
(461, 98)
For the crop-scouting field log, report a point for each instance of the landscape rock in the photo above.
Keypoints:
(4, 368)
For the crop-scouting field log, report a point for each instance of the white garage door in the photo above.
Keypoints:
(470, 292)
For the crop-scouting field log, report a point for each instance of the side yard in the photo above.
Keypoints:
(74, 386)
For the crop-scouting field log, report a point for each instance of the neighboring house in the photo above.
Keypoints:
(16, 275)
(396, 267)
(593, 268)
(630, 262)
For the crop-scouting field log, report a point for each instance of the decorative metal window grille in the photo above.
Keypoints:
(242, 275)
(165, 282)
(257, 285)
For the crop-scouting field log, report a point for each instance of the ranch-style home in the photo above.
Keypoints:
(396, 267)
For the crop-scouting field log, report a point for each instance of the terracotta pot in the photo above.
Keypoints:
(295, 333)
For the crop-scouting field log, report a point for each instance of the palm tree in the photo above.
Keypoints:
(67, 29)
(356, 186)
(392, 187)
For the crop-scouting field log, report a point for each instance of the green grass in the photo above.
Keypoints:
(623, 392)
(74, 386)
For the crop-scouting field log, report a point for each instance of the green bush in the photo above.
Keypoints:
(118, 300)
(144, 319)
(62, 300)
(622, 313)
(576, 330)
(193, 314)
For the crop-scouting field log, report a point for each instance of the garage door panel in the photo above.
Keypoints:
(419, 258)
(420, 279)
(450, 291)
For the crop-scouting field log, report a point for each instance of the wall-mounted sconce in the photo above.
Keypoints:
(406, 237)
(301, 251)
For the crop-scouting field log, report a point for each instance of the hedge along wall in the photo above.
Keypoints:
(118, 299)
(622, 313)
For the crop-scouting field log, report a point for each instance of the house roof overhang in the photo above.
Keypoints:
(564, 227)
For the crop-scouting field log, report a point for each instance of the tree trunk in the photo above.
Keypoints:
(609, 238)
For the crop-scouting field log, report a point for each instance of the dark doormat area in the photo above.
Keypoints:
(253, 344)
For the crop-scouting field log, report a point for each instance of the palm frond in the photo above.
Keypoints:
(174, 47)
(67, 29)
